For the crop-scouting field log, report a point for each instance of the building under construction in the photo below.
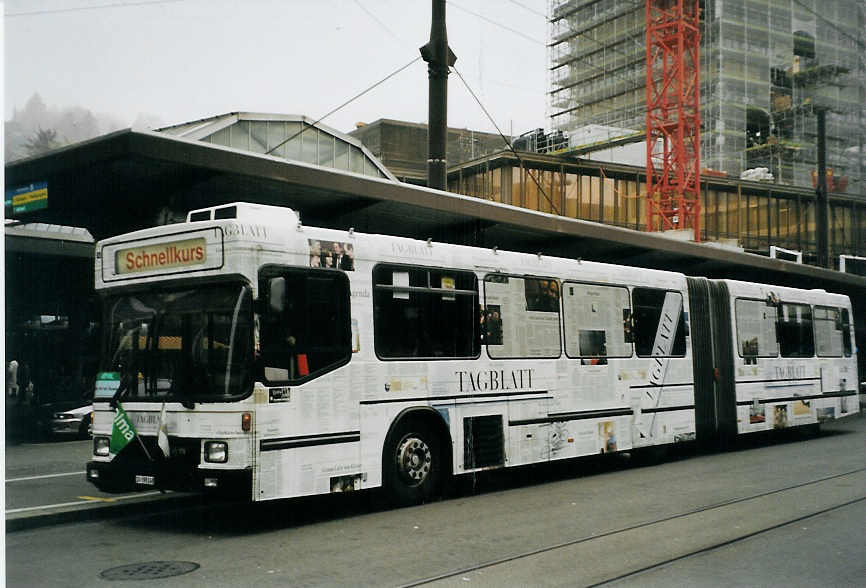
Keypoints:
(766, 67)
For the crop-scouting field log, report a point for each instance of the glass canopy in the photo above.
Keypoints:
(290, 137)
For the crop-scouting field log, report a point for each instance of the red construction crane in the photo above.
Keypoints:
(673, 115)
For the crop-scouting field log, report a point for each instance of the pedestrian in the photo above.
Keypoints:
(12, 379)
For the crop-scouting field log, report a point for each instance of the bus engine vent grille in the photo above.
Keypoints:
(483, 442)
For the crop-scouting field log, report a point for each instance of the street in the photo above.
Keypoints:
(41, 474)
(43, 478)
(784, 511)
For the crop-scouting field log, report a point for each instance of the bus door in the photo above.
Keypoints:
(712, 360)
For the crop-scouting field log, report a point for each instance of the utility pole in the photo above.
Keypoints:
(439, 58)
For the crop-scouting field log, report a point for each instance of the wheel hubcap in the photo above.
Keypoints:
(414, 460)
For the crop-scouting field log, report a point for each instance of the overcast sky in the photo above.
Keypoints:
(187, 59)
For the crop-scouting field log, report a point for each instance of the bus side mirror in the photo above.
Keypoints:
(277, 294)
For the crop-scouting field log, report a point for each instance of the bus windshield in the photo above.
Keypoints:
(188, 345)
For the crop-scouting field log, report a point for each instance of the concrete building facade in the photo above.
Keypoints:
(402, 146)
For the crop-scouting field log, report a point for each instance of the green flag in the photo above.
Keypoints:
(122, 431)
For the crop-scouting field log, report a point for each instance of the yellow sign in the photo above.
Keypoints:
(28, 197)
(161, 256)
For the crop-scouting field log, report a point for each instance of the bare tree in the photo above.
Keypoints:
(41, 141)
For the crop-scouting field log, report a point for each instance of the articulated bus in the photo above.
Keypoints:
(281, 360)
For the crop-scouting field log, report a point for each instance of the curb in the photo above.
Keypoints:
(103, 511)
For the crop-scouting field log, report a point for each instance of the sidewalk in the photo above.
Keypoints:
(97, 509)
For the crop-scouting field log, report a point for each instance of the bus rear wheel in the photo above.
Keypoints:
(413, 464)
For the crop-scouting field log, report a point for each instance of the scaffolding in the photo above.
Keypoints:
(598, 64)
(766, 66)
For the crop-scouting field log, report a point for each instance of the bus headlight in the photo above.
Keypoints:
(216, 451)
(101, 445)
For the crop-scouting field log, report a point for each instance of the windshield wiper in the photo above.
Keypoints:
(121, 390)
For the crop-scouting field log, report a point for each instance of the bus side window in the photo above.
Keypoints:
(756, 329)
(829, 335)
(846, 332)
(305, 326)
(597, 321)
(659, 324)
(795, 331)
(522, 314)
(425, 312)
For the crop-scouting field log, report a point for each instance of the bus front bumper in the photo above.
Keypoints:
(113, 477)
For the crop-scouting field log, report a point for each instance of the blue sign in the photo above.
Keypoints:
(26, 198)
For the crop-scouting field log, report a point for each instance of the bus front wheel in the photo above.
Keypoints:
(413, 462)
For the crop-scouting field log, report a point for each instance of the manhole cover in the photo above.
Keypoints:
(149, 570)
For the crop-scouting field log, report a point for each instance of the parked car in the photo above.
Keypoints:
(60, 419)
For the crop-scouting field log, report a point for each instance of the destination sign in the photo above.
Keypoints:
(161, 256)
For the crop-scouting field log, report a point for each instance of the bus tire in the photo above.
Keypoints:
(412, 464)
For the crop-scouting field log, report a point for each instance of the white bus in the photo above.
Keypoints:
(282, 360)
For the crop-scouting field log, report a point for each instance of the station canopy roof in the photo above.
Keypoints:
(133, 179)
(286, 136)
(47, 239)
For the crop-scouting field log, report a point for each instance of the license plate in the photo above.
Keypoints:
(145, 480)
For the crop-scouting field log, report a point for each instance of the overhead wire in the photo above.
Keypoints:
(601, 45)
(505, 139)
(347, 102)
(497, 24)
(507, 142)
(510, 30)
(380, 23)
(525, 7)
(94, 7)
(634, 84)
